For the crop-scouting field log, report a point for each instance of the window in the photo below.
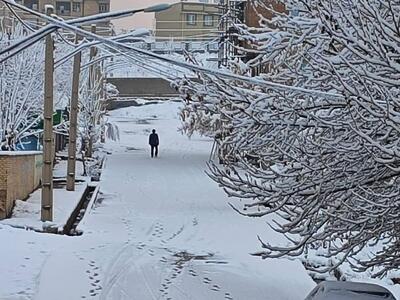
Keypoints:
(191, 19)
(104, 7)
(76, 7)
(294, 12)
(32, 4)
(63, 8)
(208, 20)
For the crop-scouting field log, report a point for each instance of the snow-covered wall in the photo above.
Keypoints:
(20, 175)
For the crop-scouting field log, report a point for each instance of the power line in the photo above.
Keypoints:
(218, 73)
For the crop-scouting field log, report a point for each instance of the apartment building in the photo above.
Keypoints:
(188, 21)
(68, 9)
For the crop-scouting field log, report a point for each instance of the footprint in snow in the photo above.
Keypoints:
(93, 293)
(215, 288)
(93, 274)
(206, 280)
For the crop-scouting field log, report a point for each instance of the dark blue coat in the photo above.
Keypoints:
(153, 139)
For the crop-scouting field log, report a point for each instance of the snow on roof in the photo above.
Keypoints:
(354, 286)
(19, 153)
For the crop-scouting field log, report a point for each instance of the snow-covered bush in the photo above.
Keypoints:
(111, 90)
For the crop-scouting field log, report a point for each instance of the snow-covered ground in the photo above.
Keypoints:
(184, 241)
(161, 229)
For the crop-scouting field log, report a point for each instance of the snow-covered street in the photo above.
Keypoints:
(277, 125)
(179, 238)
(160, 230)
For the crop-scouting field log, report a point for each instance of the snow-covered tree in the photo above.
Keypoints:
(21, 87)
(21, 91)
(322, 154)
(201, 110)
(21, 84)
(94, 91)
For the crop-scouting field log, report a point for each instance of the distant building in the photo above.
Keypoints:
(73, 9)
(188, 21)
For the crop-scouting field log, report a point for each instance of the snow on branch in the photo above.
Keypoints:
(327, 168)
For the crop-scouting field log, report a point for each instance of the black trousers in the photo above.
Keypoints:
(152, 150)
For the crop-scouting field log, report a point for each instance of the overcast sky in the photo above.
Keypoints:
(138, 20)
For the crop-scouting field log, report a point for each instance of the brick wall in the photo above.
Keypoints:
(251, 15)
(20, 175)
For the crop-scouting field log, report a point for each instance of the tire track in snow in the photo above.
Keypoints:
(120, 264)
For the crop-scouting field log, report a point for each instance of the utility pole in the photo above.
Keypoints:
(102, 78)
(48, 146)
(92, 83)
(73, 121)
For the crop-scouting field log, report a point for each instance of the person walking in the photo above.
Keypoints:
(153, 142)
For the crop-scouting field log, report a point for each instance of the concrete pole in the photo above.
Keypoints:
(48, 145)
(73, 121)
(92, 82)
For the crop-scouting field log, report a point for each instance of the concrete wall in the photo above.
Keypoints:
(20, 175)
(169, 23)
(143, 87)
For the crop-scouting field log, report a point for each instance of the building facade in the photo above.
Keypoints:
(68, 9)
(188, 21)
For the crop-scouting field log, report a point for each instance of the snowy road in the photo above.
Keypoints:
(179, 238)
(161, 230)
